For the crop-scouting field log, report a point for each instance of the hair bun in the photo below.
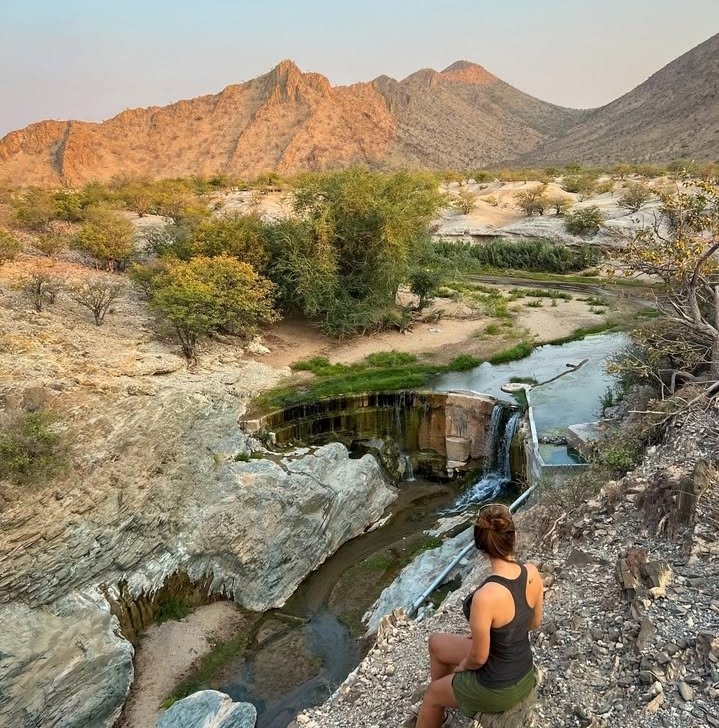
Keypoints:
(496, 518)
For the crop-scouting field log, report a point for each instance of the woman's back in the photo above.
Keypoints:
(510, 654)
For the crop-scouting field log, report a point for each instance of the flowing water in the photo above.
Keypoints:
(493, 483)
(297, 664)
(572, 399)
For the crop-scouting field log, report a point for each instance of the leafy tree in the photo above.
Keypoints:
(35, 210)
(583, 185)
(241, 236)
(169, 241)
(206, 295)
(680, 248)
(466, 200)
(9, 247)
(40, 288)
(585, 221)
(50, 244)
(68, 206)
(622, 170)
(534, 201)
(96, 295)
(360, 231)
(107, 236)
(559, 203)
(634, 196)
(423, 283)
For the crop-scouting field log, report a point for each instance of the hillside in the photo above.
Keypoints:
(287, 120)
(673, 115)
(463, 117)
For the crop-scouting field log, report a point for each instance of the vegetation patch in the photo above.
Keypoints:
(30, 447)
(173, 609)
(531, 254)
(519, 351)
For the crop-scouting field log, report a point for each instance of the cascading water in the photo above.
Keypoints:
(503, 425)
(408, 469)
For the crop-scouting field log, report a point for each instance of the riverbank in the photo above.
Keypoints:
(168, 652)
(640, 653)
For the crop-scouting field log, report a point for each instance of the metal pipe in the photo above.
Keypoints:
(417, 603)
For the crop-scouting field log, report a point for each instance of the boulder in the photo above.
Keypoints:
(208, 709)
(65, 665)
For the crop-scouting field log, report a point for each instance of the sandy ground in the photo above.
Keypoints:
(167, 653)
(293, 339)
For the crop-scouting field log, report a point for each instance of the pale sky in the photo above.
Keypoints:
(89, 59)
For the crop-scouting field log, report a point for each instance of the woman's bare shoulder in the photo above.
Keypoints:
(532, 571)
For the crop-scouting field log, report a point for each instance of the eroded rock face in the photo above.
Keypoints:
(168, 494)
(65, 665)
(208, 709)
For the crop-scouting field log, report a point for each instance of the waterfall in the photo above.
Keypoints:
(408, 469)
(502, 429)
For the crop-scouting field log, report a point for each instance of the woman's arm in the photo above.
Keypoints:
(535, 582)
(480, 623)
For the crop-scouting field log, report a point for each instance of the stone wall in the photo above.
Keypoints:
(452, 425)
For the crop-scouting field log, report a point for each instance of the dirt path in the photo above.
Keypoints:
(168, 651)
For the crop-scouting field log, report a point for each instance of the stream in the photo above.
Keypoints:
(304, 651)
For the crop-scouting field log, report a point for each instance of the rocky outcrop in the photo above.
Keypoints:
(252, 529)
(63, 666)
(417, 576)
(639, 654)
(208, 709)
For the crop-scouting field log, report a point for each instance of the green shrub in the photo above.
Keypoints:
(518, 351)
(634, 196)
(30, 447)
(390, 358)
(172, 609)
(529, 254)
(621, 457)
(9, 247)
(423, 283)
(492, 329)
(585, 221)
(463, 363)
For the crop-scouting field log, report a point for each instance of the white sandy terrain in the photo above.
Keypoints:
(166, 654)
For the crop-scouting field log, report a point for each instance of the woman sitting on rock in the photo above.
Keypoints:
(491, 670)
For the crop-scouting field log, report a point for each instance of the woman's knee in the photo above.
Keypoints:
(439, 693)
(448, 648)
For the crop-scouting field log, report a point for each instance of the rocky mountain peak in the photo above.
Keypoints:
(467, 72)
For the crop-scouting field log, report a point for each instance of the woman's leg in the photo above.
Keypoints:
(446, 651)
(438, 696)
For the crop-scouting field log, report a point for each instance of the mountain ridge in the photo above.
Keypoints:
(290, 120)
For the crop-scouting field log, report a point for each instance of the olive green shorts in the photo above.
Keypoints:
(473, 697)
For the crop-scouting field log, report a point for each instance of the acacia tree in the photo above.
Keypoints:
(107, 236)
(634, 196)
(241, 236)
(206, 295)
(466, 200)
(680, 248)
(96, 295)
(534, 201)
(40, 288)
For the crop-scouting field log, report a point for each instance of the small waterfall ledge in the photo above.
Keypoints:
(441, 433)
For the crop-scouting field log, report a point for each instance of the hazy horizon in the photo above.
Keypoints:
(89, 61)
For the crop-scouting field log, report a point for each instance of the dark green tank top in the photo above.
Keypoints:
(510, 654)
